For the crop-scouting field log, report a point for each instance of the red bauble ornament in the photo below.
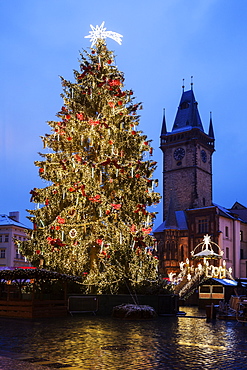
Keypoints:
(95, 199)
(133, 228)
(116, 206)
(114, 82)
(147, 231)
(60, 220)
(79, 116)
(93, 123)
(78, 157)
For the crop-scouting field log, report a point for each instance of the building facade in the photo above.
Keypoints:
(10, 229)
(188, 210)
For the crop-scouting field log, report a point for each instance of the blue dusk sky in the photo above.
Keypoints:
(164, 41)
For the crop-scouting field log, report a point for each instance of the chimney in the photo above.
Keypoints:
(15, 215)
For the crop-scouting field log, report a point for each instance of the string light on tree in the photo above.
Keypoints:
(93, 217)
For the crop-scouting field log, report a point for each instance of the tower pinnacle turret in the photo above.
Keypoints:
(163, 129)
(211, 130)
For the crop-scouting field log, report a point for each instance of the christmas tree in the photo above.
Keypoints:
(92, 218)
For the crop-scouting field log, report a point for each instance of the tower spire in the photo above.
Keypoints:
(187, 115)
(183, 86)
(164, 130)
(211, 130)
(191, 82)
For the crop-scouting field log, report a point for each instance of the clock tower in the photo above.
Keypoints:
(187, 159)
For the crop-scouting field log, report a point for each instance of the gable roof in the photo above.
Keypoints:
(239, 210)
(238, 205)
(181, 223)
(225, 212)
(8, 221)
(240, 213)
(233, 213)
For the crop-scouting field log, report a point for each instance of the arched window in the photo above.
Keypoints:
(168, 250)
(173, 250)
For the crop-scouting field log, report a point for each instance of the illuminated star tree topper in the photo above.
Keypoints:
(99, 32)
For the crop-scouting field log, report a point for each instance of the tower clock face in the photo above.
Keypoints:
(178, 154)
(204, 156)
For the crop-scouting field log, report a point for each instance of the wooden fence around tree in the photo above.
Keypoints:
(33, 293)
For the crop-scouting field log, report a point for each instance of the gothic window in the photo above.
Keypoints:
(203, 226)
(227, 253)
(241, 235)
(173, 250)
(168, 250)
(226, 232)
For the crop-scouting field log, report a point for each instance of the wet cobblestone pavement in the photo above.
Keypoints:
(7, 363)
(92, 342)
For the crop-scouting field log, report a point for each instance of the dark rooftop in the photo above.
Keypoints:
(187, 114)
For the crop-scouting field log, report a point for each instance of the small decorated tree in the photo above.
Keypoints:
(92, 218)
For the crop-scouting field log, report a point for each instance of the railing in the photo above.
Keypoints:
(192, 285)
